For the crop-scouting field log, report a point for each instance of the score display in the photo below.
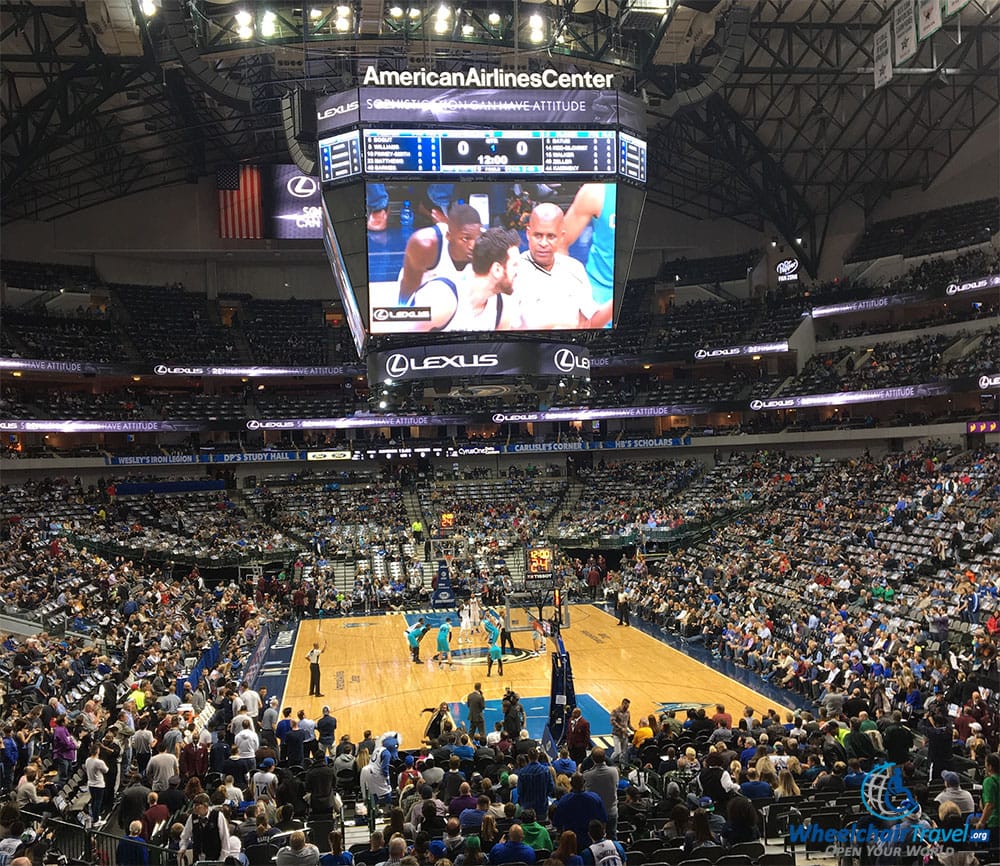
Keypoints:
(339, 157)
(632, 157)
(468, 151)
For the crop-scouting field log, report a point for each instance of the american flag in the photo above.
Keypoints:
(241, 214)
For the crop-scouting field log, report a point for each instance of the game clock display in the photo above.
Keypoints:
(470, 151)
(539, 561)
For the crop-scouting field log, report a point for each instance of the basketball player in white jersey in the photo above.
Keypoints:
(465, 624)
(484, 302)
(475, 615)
(436, 263)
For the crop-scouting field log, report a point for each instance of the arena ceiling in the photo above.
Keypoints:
(758, 111)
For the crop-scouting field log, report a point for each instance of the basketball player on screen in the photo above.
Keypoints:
(484, 299)
(595, 205)
(435, 263)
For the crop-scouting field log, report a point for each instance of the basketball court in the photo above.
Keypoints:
(370, 682)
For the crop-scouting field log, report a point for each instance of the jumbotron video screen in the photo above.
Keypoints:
(471, 228)
(490, 256)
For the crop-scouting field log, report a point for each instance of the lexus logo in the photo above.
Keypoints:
(302, 186)
(160, 370)
(253, 425)
(989, 381)
(380, 314)
(701, 353)
(397, 365)
(566, 361)
(756, 405)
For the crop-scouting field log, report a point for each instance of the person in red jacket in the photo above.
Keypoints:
(578, 736)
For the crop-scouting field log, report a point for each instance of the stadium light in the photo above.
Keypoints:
(494, 18)
(243, 18)
(343, 11)
(382, 404)
(343, 25)
(467, 29)
(443, 11)
(148, 8)
(245, 32)
(396, 11)
(535, 22)
(536, 36)
(268, 25)
(414, 12)
(440, 26)
(315, 14)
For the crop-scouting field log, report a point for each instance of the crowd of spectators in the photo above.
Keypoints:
(929, 231)
(89, 337)
(287, 332)
(868, 587)
(887, 365)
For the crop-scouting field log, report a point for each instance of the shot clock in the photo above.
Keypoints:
(538, 562)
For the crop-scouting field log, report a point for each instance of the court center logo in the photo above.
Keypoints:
(884, 794)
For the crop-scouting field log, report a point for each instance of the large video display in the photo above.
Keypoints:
(472, 256)
(345, 250)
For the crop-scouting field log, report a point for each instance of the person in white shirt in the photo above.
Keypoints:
(552, 288)
(247, 743)
(96, 784)
(251, 702)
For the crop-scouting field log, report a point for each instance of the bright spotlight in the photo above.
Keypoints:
(443, 12)
(148, 8)
(494, 18)
(441, 26)
(467, 29)
(343, 11)
(243, 18)
(536, 36)
(267, 28)
(245, 33)
(342, 25)
(414, 12)
(535, 22)
(396, 12)
(315, 14)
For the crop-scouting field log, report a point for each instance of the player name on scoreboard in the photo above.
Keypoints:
(466, 151)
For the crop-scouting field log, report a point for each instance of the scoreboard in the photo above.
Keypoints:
(538, 562)
(632, 157)
(509, 151)
(339, 157)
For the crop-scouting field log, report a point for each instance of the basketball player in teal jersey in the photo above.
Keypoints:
(493, 652)
(595, 204)
(444, 644)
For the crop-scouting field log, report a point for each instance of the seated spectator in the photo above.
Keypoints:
(534, 833)
(512, 848)
(336, 856)
(297, 852)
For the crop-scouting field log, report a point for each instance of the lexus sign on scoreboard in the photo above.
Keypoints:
(477, 360)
